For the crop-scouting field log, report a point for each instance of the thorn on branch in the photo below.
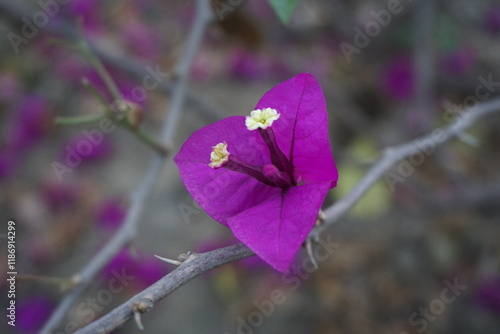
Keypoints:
(310, 253)
(138, 321)
(164, 259)
(468, 139)
(180, 259)
(141, 307)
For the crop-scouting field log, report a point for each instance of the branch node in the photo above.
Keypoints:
(73, 282)
(183, 257)
(138, 320)
(141, 307)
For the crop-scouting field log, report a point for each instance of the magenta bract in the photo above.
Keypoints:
(275, 179)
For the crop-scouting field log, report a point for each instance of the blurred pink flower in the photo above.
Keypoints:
(40, 250)
(31, 313)
(145, 269)
(492, 20)
(319, 62)
(249, 66)
(9, 160)
(10, 87)
(60, 196)
(398, 78)
(81, 147)
(487, 295)
(460, 60)
(110, 214)
(141, 39)
(88, 11)
(71, 67)
(29, 123)
(150, 270)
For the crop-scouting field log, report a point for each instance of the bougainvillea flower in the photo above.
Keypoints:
(30, 122)
(111, 214)
(398, 78)
(492, 19)
(265, 176)
(32, 313)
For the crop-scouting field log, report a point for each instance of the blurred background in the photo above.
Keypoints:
(420, 255)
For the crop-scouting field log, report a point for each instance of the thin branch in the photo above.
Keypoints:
(392, 155)
(128, 230)
(195, 265)
(79, 120)
(192, 268)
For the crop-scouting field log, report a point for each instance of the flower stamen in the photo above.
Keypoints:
(261, 118)
(219, 155)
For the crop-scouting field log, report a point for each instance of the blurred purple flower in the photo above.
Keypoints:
(122, 260)
(205, 67)
(59, 197)
(9, 160)
(246, 65)
(29, 123)
(487, 295)
(319, 63)
(145, 269)
(32, 313)
(110, 214)
(40, 250)
(10, 87)
(142, 39)
(398, 79)
(86, 149)
(150, 270)
(88, 11)
(460, 60)
(492, 20)
(71, 67)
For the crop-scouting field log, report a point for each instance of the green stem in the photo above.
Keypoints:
(76, 120)
(144, 137)
(101, 70)
(91, 89)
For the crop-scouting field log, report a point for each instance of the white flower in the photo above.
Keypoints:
(219, 155)
(261, 118)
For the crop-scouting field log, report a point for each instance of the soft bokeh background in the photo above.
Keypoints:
(396, 248)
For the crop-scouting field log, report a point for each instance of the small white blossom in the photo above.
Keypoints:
(261, 118)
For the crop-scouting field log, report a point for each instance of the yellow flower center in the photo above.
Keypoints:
(219, 155)
(261, 118)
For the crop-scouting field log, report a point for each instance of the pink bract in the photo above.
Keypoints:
(273, 221)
